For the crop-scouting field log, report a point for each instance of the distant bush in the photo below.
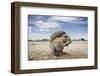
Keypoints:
(30, 40)
(44, 40)
(82, 39)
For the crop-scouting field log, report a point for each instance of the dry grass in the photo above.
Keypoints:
(42, 51)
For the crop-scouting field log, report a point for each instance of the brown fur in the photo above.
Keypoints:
(58, 41)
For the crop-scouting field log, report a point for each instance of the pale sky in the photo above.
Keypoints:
(42, 26)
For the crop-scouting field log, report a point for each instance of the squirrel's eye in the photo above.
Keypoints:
(65, 36)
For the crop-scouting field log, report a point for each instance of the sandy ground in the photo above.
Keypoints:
(42, 51)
